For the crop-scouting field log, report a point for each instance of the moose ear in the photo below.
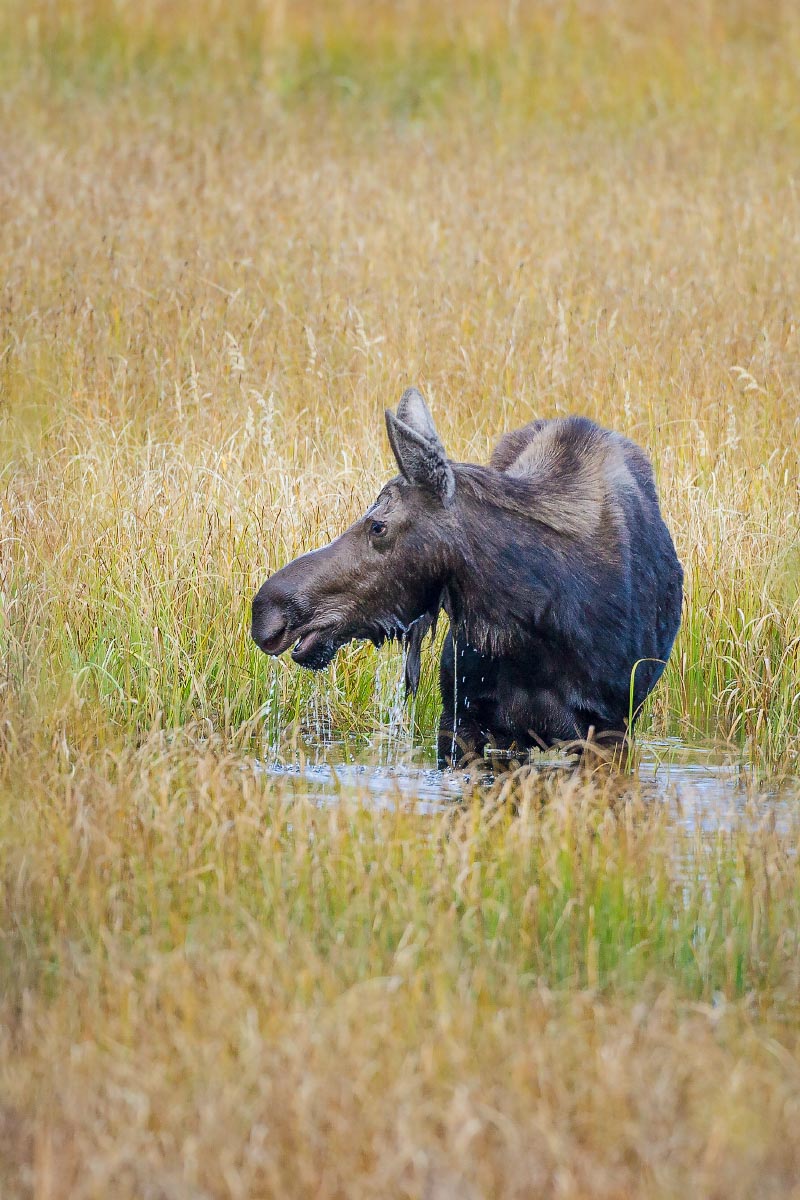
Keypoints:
(420, 455)
(414, 412)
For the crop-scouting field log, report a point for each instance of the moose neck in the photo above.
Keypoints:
(504, 564)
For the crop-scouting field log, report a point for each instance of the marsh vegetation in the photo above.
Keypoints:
(229, 239)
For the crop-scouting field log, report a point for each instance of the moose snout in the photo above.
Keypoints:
(270, 622)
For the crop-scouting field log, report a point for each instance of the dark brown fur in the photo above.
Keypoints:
(553, 564)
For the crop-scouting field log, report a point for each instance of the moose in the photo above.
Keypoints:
(553, 564)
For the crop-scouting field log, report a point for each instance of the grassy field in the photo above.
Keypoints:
(230, 236)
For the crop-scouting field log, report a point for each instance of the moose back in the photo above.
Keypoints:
(553, 564)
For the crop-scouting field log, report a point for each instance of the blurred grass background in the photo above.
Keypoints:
(231, 241)
(230, 236)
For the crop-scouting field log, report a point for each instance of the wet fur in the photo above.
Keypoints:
(570, 577)
(553, 564)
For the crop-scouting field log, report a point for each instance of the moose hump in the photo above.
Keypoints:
(553, 563)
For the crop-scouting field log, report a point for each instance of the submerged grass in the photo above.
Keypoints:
(231, 236)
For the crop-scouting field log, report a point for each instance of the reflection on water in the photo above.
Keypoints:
(712, 788)
(706, 787)
(424, 787)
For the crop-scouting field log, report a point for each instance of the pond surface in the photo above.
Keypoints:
(707, 787)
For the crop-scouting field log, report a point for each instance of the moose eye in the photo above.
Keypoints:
(377, 529)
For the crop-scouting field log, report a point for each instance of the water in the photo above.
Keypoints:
(707, 788)
(381, 784)
(711, 788)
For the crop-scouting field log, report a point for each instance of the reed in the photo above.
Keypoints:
(212, 986)
(231, 235)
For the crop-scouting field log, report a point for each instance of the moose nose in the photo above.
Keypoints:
(269, 624)
(269, 639)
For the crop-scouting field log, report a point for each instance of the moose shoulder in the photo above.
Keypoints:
(553, 564)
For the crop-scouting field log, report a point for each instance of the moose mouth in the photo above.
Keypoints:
(314, 646)
(314, 649)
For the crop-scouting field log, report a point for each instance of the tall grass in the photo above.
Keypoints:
(230, 236)
(214, 988)
(200, 337)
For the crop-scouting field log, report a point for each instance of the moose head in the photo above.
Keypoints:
(383, 577)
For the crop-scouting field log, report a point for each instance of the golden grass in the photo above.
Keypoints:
(230, 237)
(215, 989)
